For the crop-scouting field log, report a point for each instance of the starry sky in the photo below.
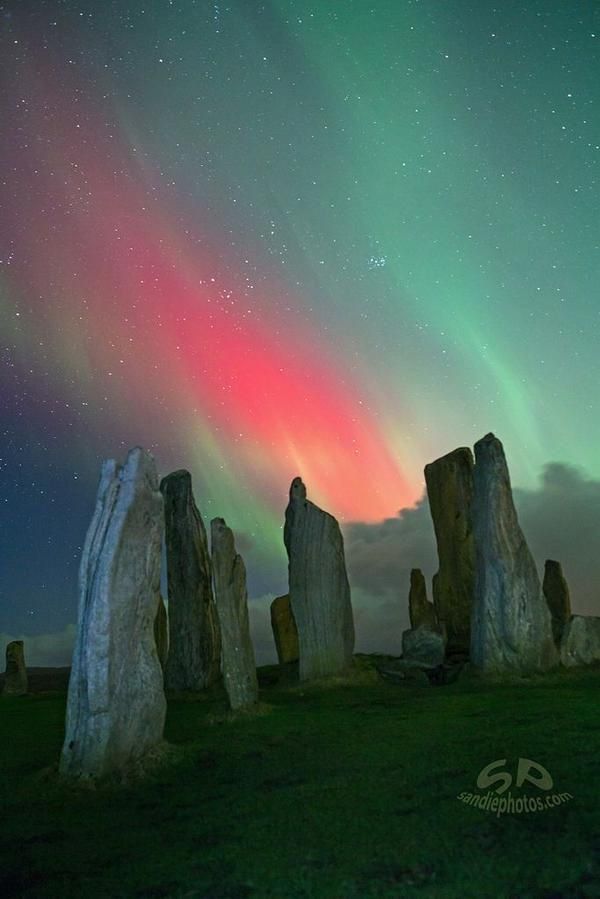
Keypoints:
(333, 239)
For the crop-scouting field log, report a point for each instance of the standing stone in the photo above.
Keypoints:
(424, 646)
(161, 633)
(116, 704)
(556, 591)
(15, 679)
(319, 590)
(285, 631)
(450, 491)
(581, 641)
(239, 665)
(511, 628)
(420, 610)
(194, 656)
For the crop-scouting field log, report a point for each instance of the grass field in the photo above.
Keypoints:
(347, 792)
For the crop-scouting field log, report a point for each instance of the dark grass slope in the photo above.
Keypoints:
(347, 792)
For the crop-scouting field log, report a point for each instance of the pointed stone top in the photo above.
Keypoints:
(221, 537)
(462, 453)
(176, 487)
(297, 490)
(489, 447)
(138, 465)
(180, 480)
(181, 474)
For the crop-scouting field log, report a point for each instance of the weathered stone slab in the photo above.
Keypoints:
(410, 672)
(285, 632)
(318, 587)
(15, 678)
(556, 591)
(511, 627)
(449, 483)
(421, 612)
(194, 660)
(423, 646)
(581, 641)
(239, 666)
(161, 633)
(116, 704)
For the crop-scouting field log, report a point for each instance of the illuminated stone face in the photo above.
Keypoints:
(116, 705)
(318, 587)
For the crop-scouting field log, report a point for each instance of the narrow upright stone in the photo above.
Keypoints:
(116, 704)
(194, 658)
(15, 678)
(239, 666)
(161, 633)
(285, 632)
(556, 591)
(450, 491)
(319, 589)
(511, 628)
(421, 612)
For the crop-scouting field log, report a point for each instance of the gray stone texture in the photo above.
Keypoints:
(581, 641)
(556, 591)
(449, 483)
(194, 659)
(511, 629)
(318, 587)
(421, 612)
(423, 646)
(116, 704)
(239, 666)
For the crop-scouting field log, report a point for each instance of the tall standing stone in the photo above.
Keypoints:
(319, 590)
(161, 633)
(15, 678)
(285, 634)
(450, 491)
(239, 665)
(116, 704)
(511, 627)
(556, 591)
(194, 658)
(421, 612)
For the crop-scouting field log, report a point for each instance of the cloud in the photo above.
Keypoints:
(378, 622)
(45, 650)
(560, 519)
(379, 556)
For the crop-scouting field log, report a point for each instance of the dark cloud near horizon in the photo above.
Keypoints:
(379, 556)
(560, 519)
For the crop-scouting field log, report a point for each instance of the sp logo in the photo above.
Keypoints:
(527, 771)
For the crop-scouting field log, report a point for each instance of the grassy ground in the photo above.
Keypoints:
(344, 792)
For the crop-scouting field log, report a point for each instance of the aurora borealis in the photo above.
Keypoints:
(332, 239)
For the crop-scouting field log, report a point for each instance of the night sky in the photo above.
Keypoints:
(328, 239)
